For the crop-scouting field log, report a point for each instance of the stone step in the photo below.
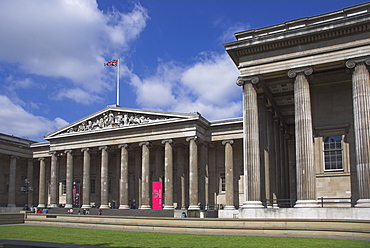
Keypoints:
(117, 212)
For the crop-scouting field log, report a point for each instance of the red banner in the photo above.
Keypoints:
(157, 195)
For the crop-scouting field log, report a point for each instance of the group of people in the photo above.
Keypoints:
(38, 210)
(84, 211)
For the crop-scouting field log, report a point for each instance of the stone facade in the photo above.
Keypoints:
(304, 137)
(312, 76)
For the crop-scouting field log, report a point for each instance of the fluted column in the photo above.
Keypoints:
(193, 173)
(123, 183)
(86, 178)
(12, 177)
(168, 174)
(53, 180)
(42, 184)
(229, 174)
(31, 181)
(204, 175)
(306, 175)
(69, 179)
(104, 178)
(145, 173)
(262, 118)
(252, 177)
(361, 112)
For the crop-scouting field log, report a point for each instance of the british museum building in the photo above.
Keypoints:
(301, 149)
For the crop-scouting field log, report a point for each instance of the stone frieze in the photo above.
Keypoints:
(114, 119)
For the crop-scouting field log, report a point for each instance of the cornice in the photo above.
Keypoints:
(301, 40)
(340, 23)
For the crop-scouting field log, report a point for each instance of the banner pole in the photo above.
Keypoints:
(118, 76)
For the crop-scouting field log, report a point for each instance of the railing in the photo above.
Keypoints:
(284, 203)
(323, 200)
(289, 203)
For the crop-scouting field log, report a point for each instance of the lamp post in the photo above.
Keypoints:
(26, 190)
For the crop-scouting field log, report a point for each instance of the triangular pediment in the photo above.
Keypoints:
(114, 117)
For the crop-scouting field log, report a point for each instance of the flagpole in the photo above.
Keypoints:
(118, 75)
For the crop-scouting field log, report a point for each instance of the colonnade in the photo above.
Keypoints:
(12, 189)
(254, 140)
(144, 191)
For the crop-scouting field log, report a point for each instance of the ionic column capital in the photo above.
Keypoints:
(192, 138)
(86, 149)
(146, 143)
(231, 142)
(125, 145)
(13, 157)
(41, 159)
(169, 141)
(353, 62)
(70, 151)
(103, 148)
(243, 80)
(305, 71)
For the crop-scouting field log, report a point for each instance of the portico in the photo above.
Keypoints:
(316, 108)
(116, 162)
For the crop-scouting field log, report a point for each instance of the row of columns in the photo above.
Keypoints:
(305, 167)
(145, 177)
(12, 180)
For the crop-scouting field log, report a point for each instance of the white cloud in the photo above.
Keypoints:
(78, 95)
(208, 87)
(14, 120)
(68, 39)
(212, 79)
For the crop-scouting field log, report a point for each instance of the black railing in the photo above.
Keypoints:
(283, 203)
(328, 200)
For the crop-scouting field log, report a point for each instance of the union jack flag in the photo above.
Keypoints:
(111, 63)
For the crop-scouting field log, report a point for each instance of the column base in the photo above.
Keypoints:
(363, 203)
(54, 205)
(104, 207)
(194, 207)
(168, 207)
(11, 205)
(252, 204)
(306, 204)
(68, 206)
(41, 206)
(145, 207)
(124, 207)
(86, 206)
(230, 207)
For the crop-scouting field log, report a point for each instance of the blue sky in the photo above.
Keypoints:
(172, 56)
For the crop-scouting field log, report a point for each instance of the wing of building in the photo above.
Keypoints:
(301, 149)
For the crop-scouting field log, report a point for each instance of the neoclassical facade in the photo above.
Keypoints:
(306, 96)
(303, 141)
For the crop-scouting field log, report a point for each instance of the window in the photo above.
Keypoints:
(222, 182)
(64, 187)
(333, 153)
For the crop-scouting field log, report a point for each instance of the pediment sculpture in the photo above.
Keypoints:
(114, 119)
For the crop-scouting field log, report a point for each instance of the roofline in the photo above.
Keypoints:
(296, 28)
(12, 138)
